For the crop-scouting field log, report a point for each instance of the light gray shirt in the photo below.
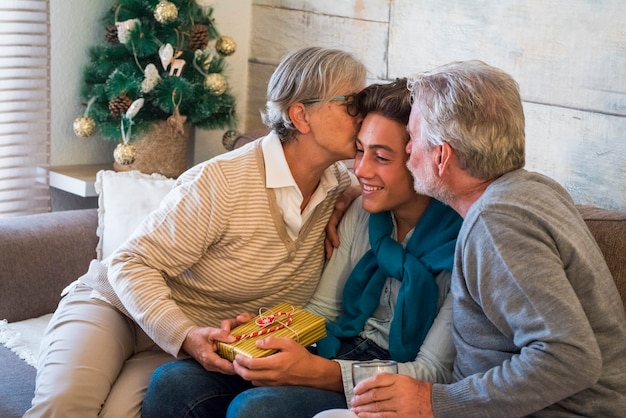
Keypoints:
(434, 360)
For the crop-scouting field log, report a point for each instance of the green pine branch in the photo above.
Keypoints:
(117, 69)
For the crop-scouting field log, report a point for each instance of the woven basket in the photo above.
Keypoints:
(161, 150)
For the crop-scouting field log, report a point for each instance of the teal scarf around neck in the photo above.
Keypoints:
(429, 251)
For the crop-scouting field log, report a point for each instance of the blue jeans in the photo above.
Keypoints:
(184, 389)
(284, 402)
(301, 401)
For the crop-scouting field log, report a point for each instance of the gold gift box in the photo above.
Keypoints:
(306, 328)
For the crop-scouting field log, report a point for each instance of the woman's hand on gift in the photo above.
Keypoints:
(291, 365)
(201, 344)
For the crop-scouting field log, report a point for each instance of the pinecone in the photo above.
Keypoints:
(199, 38)
(111, 35)
(119, 105)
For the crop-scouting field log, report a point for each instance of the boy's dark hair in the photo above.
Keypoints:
(391, 100)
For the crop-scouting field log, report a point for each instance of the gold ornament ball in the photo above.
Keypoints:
(125, 154)
(216, 83)
(165, 12)
(225, 46)
(229, 139)
(84, 126)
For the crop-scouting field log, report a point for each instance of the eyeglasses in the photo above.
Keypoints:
(350, 102)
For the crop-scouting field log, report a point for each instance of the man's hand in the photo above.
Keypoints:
(392, 395)
(343, 203)
(201, 344)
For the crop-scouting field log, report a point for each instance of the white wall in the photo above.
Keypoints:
(569, 57)
(71, 36)
(75, 27)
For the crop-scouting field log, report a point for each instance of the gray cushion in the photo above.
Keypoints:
(40, 255)
(17, 384)
(609, 229)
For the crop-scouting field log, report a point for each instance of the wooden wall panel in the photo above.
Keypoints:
(570, 53)
(261, 74)
(277, 31)
(583, 151)
(375, 10)
(569, 57)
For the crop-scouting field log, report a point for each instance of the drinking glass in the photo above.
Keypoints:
(361, 370)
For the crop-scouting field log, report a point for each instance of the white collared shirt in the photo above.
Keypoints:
(288, 195)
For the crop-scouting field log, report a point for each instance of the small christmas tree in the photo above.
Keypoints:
(160, 61)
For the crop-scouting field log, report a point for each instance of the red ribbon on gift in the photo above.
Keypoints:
(264, 322)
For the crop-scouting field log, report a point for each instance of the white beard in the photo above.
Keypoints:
(427, 183)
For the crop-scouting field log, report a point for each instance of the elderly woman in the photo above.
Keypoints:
(238, 232)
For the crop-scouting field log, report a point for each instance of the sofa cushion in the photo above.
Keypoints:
(609, 229)
(124, 200)
(41, 254)
(17, 384)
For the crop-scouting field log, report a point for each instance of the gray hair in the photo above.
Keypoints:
(477, 110)
(308, 73)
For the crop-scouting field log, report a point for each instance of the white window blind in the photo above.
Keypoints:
(24, 106)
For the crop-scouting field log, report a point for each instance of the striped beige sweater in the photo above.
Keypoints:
(216, 247)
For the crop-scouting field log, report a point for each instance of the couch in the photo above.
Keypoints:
(41, 254)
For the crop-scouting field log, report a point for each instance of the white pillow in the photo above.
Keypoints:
(124, 200)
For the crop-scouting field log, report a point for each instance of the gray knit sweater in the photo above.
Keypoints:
(538, 324)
